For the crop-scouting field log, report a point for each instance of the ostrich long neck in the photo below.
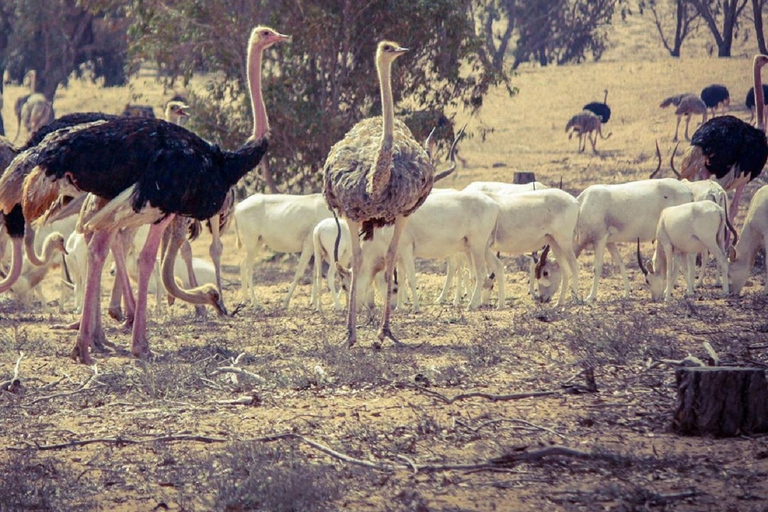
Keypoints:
(29, 246)
(193, 296)
(760, 61)
(383, 166)
(260, 121)
(16, 261)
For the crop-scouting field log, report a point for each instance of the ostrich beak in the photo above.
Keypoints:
(221, 309)
(283, 38)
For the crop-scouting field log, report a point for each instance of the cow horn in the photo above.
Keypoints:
(658, 156)
(542, 260)
(640, 258)
(672, 162)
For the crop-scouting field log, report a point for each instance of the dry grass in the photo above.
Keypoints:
(384, 406)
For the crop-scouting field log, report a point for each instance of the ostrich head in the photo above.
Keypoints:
(176, 112)
(388, 51)
(264, 37)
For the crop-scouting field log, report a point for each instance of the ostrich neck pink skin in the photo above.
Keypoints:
(260, 120)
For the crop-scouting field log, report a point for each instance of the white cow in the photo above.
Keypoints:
(611, 214)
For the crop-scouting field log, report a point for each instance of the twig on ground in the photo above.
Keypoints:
(532, 426)
(14, 383)
(82, 388)
(477, 394)
(120, 441)
(237, 371)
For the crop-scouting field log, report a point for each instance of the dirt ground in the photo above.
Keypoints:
(483, 410)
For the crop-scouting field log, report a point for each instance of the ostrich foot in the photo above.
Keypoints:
(127, 325)
(385, 332)
(116, 313)
(351, 339)
(81, 354)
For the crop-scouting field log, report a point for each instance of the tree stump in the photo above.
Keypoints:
(523, 177)
(721, 401)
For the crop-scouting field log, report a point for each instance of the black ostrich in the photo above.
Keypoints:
(750, 100)
(142, 171)
(601, 110)
(731, 150)
(715, 96)
(11, 215)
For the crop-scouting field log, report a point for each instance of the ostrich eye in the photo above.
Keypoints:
(265, 33)
(546, 274)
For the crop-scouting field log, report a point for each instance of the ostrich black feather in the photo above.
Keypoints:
(601, 110)
(174, 169)
(750, 100)
(66, 121)
(715, 94)
(727, 141)
(14, 222)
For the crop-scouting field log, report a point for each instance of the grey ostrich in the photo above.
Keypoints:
(586, 124)
(34, 109)
(375, 176)
(688, 104)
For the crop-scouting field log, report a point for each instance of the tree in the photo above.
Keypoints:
(727, 12)
(685, 18)
(561, 31)
(59, 37)
(757, 15)
(322, 83)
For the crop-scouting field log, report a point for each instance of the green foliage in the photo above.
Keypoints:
(321, 84)
(57, 38)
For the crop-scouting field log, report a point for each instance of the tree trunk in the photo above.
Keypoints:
(523, 177)
(757, 14)
(721, 401)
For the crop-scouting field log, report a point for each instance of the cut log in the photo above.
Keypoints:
(721, 401)
(523, 177)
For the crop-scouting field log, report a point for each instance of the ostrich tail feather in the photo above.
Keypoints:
(38, 194)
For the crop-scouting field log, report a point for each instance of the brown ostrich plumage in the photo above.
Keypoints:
(351, 162)
(375, 176)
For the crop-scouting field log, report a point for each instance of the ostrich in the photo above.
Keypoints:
(143, 171)
(375, 176)
(716, 96)
(688, 104)
(601, 110)
(34, 109)
(585, 124)
(750, 101)
(729, 148)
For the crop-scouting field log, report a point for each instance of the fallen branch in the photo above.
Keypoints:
(121, 441)
(67, 393)
(532, 426)
(237, 371)
(14, 383)
(487, 396)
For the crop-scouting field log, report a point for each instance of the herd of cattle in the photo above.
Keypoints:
(469, 229)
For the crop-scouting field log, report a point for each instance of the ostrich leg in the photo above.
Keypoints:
(90, 331)
(147, 257)
(216, 249)
(384, 331)
(357, 263)
(122, 286)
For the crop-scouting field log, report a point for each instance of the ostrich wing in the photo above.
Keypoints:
(351, 159)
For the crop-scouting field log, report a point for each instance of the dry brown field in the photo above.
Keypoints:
(302, 423)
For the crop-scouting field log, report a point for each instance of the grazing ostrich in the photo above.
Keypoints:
(716, 96)
(688, 104)
(375, 176)
(730, 149)
(750, 102)
(34, 109)
(601, 110)
(585, 124)
(143, 171)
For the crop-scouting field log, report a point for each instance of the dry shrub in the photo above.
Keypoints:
(252, 476)
(31, 483)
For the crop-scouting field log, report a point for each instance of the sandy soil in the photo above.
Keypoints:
(186, 431)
